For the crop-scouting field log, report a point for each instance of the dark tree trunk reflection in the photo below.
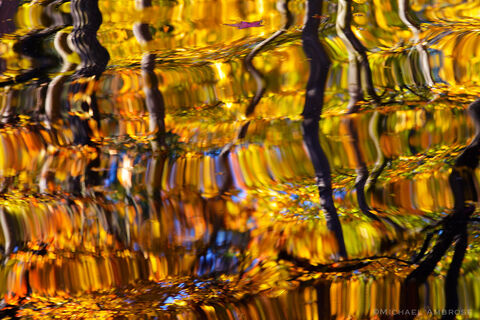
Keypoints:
(156, 112)
(319, 66)
(32, 47)
(8, 8)
(94, 59)
(452, 230)
(55, 87)
(153, 97)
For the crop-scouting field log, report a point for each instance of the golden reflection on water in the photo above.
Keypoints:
(121, 227)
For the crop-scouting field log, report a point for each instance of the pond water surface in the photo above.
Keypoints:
(239, 159)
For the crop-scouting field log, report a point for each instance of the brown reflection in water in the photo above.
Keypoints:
(153, 97)
(359, 74)
(381, 161)
(83, 111)
(155, 106)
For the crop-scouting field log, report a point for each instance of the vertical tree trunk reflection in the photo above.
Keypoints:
(55, 87)
(319, 66)
(381, 161)
(7, 229)
(363, 174)
(156, 112)
(153, 97)
(359, 72)
(94, 58)
(409, 21)
(87, 19)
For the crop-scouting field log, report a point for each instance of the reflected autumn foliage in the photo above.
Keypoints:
(157, 162)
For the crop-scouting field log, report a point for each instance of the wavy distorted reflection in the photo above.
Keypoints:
(319, 65)
(158, 161)
(359, 73)
(405, 13)
(451, 231)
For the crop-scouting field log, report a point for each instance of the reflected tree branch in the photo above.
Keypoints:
(282, 7)
(374, 129)
(454, 227)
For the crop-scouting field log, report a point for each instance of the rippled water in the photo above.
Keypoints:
(239, 159)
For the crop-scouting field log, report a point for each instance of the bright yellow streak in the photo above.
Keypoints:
(221, 75)
(260, 7)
